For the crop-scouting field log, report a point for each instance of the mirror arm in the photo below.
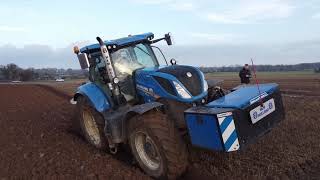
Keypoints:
(157, 40)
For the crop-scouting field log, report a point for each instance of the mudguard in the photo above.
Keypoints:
(98, 99)
(116, 125)
(142, 108)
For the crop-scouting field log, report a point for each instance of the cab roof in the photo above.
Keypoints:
(117, 43)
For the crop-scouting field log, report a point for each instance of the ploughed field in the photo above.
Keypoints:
(37, 139)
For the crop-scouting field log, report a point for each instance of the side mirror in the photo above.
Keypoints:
(167, 37)
(83, 60)
(173, 61)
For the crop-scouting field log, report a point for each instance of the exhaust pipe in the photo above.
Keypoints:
(113, 80)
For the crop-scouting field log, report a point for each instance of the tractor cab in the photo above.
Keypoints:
(125, 62)
(127, 55)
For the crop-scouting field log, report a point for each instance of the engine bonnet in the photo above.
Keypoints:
(190, 77)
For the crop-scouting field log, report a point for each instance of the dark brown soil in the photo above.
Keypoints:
(37, 141)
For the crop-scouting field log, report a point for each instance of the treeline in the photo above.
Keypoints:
(266, 68)
(12, 72)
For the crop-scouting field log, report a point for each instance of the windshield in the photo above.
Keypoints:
(127, 60)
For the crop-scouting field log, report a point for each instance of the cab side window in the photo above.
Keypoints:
(144, 55)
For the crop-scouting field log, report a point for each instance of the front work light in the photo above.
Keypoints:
(76, 50)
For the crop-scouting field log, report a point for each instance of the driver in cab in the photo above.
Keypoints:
(124, 66)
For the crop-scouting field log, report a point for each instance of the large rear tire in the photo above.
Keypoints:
(91, 124)
(157, 146)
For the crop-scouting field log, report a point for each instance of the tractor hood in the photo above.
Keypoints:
(183, 83)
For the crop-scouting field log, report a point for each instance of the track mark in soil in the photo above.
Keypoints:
(55, 91)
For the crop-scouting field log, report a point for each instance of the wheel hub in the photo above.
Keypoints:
(147, 151)
(148, 147)
(91, 126)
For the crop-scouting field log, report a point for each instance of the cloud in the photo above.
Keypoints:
(226, 54)
(38, 56)
(12, 29)
(179, 5)
(198, 55)
(252, 11)
(182, 6)
(236, 12)
(223, 18)
(152, 1)
(215, 38)
(316, 16)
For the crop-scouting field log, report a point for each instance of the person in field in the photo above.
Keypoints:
(245, 74)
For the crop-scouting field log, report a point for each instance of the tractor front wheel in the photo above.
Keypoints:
(91, 124)
(157, 145)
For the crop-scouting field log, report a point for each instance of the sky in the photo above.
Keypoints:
(36, 33)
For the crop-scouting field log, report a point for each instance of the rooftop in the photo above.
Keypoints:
(126, 41)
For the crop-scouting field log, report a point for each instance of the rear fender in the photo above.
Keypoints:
(117, 120)
(97, 98)
(143, 108)
(139, 110)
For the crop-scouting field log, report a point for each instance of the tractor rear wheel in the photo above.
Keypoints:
(91, 124)
(157, 146)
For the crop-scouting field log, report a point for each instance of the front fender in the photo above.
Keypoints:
(98, 99)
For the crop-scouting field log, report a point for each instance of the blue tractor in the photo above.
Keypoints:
(162, 111)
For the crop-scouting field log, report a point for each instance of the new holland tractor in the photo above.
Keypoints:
(162, 111)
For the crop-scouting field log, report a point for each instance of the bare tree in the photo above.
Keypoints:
(27, 75)
(11, 72)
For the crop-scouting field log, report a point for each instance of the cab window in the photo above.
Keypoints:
(145, 55)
